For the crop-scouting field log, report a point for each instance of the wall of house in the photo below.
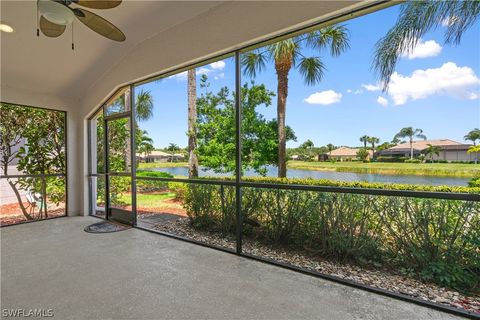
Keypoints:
(455, 155)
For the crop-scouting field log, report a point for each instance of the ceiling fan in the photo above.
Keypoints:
(57, 14)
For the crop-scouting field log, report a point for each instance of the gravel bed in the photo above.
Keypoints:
(383, 279)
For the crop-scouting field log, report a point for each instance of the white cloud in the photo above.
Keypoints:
(371, 87)
(382, 101)
(219, 65)
(180, 76)
(220, 76)
(448, 80)
(203, 70)
(324, 97)
(423, 49)
(358, 91)
(349, 91)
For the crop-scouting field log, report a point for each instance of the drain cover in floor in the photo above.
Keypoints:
(105, 227)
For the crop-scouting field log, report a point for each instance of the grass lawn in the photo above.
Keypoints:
(148, 200)
(422, 169)
(162, 165)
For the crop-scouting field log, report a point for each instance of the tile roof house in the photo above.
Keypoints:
(160, 156)
(450, 150)
(344, 153)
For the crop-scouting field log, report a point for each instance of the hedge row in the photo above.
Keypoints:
(431, 239)
(356, 184)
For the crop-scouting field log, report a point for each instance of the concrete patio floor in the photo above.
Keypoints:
(135, 274)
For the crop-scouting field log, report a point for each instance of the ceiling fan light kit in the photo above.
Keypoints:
(56, 12)
(54, 15)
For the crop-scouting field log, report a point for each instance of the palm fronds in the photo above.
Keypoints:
(415, 20)
(312, 69)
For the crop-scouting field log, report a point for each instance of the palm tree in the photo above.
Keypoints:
(192, 127)
(286, 54)
(410, 133)
(144, 143)
(432, 150)
(364, 139)
(373, 141)
(308, 146)
(144, 106)
(396, 141)
(330, 147)
(473, 136)
(476, 150)
(143, 112)
(415, 20)
(172, 147)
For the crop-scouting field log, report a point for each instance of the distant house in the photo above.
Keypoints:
(346, 153)
(160, 156)
(449, 150)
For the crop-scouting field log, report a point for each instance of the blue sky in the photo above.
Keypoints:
(436, 88)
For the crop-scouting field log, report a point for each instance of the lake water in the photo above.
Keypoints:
(339, 176)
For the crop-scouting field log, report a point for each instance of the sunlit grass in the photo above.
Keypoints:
(149, 199)
(423, 169)
(162, 165)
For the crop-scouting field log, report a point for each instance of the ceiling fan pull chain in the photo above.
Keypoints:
(38, 22)
(73, 45)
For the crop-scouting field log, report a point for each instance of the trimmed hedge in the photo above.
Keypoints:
(152, 185)
(390, 159)
(153, 174)
(355, 184)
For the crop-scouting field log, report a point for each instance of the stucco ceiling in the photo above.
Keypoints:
(160, 35)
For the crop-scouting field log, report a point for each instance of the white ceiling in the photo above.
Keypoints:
(49, 65)
(160, 35)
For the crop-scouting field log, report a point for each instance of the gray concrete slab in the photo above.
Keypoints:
(134, 274)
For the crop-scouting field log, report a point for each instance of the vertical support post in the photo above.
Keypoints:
(65, 137)
(238, 152)
(133, 147)
(106, 166)
(44, 198)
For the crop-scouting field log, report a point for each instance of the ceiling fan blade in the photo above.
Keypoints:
(50, 29)
(99, 4)
(99, 25)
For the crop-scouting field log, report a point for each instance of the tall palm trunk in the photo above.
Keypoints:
(192, 123)
(128, 141)
(282, 68)
(411, 147)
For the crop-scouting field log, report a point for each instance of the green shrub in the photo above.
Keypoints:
(153, 174)
(390, 159)
(433, 239)
(210, 207)
(179, 188)
(474, 182)
(152, 185)
(358, 184)
(413, 161)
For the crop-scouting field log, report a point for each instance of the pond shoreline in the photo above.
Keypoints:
(362, 174)
(381, 168)
(402, 172)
